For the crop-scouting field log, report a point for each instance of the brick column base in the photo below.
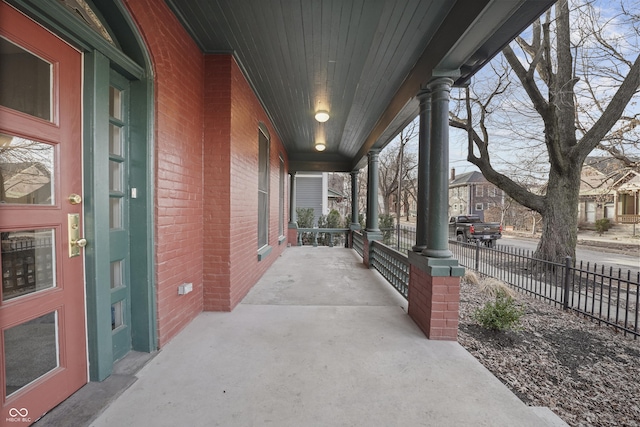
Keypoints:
(352, 228)
(292, 234)
(434, 295)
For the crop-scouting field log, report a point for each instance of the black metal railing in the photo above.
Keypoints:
(401, 239)
(393, 265)
(604, 294)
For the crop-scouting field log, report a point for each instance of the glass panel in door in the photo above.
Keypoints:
(31, 351)
(27, 171)
(27, 262)
(25, 80)
(118, 215)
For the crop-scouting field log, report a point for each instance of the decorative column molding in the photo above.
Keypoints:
(438, 204)
(372, 192)
(424, 134)
(355, 224)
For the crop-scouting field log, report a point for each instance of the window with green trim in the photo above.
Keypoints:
(263, 190)
(281, 198)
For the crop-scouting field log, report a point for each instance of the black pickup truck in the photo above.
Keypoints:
(470, 228)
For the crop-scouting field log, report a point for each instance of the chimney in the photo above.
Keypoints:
(453, 174)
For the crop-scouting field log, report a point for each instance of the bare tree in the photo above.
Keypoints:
(362, 189)
(586, 58)
(398, 166)
(409, 193)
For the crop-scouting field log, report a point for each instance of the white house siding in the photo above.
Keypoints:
(309, 194)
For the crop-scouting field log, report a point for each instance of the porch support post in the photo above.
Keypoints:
(423, 170)
(438, 208)
(434, 275)
(372, 192)
(355, 224)
(372, 231)
(292, 232)
(355, 211)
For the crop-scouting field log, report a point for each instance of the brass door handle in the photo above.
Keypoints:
(75, 199)
(80, 243)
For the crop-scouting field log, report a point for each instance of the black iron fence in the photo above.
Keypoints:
(604, 294)
(401, 239)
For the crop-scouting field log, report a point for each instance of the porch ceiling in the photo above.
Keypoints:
(364, 61)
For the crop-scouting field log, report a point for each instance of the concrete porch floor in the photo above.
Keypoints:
(319, 341)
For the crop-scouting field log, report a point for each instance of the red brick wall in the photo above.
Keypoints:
(178, 67)
(206, 163)
(217, 177)
(434, 303)
(231, 218)
(246, 113)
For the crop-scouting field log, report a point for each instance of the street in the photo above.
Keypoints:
(595, 255)
(592, 255)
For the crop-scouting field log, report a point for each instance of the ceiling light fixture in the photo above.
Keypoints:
(322, 116)
(320, 146)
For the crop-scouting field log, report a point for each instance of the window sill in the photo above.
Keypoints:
(264, 252)
(281, 239)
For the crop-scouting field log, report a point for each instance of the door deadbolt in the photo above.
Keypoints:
(73, 230)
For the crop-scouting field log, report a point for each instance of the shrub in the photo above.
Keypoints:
(305, 217)
(305, 220)
(471, 278)
(501, 315)
(603, 225)
(333, 220)
(347, 221)
(385, 223)
(492, 287)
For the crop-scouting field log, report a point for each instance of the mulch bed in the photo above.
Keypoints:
(586, 373)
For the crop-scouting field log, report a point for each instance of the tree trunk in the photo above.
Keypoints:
(406, 206)
(560, 216)
(386, 202)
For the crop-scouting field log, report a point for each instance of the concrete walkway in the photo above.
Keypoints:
(319, 341)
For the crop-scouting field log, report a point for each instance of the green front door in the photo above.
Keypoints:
(119, 194)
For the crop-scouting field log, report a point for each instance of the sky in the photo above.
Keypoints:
(457, 150)
(505, 146)
(458, 144)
